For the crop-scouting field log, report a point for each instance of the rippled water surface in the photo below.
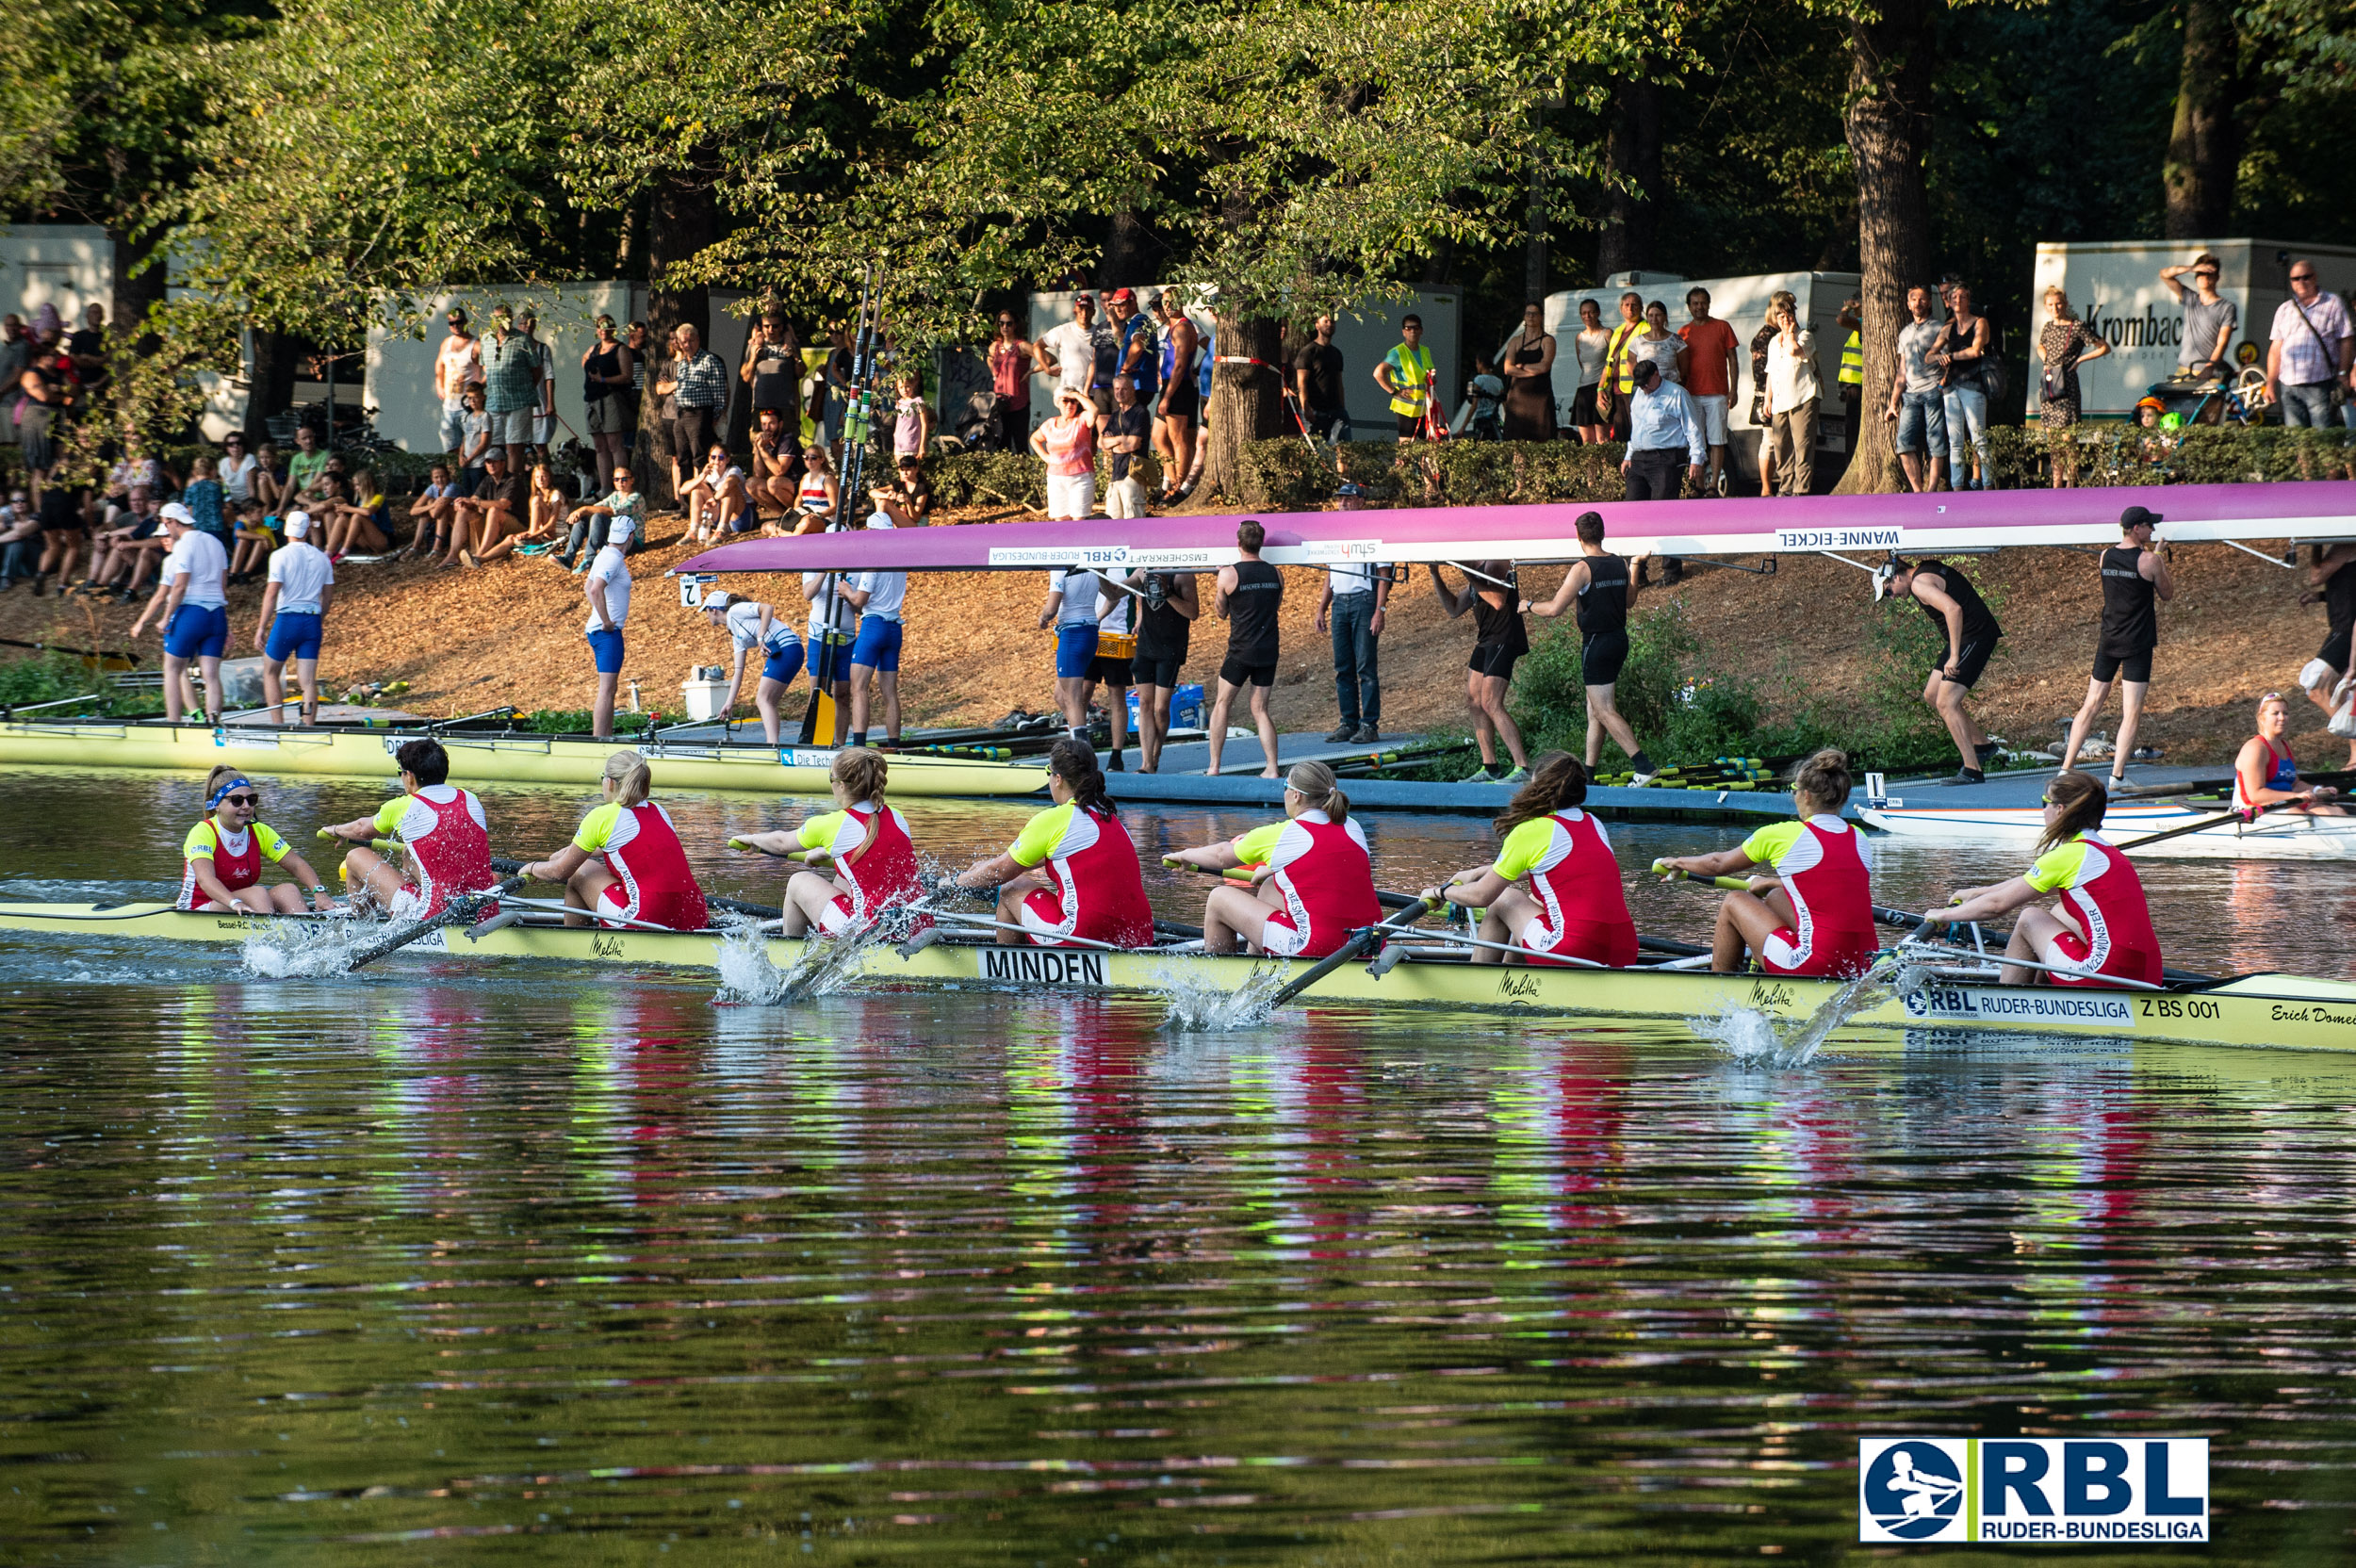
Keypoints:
(359, 1271)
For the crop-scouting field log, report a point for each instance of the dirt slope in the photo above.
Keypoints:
(467, 640)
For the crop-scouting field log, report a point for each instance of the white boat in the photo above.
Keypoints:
(2278, 835)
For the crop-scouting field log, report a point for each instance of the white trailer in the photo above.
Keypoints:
(2115, 288)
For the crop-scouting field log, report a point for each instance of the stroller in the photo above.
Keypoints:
(2210, 399)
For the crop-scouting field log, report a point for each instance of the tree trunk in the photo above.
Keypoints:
(136, 291)
(1888, 129)
(1124, 264)
(680, 225)
(2204, 144)
(270, 383)
(1632, 151)
(1247, 402)
(1537, 257)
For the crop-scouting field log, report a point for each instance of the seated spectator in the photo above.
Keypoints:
(269, 481)
(255, 537)
(20, 539)
(235, 468)
(132, 548)
(916, 492)
(549, 505)
(474, 443)
(593, 524)
(819, 491)
(496, 509)
(771, 483)
(434, 510)
(360, 525)
(715, 497)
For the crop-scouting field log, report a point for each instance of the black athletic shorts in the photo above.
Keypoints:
(1158, 671)
(1237, 673)
(2137, 666)
(2334, 650)
(1186, 399)
(1600, 656)
(1975, 658)
(1410, 426)
(1109, 672)
(1493, 659)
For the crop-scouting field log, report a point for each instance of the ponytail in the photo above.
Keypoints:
(862, 773)
(1316, 781)
(1561, 782)
(1075, 763)
(2083, 801)
(1824, 779)
(634, 781)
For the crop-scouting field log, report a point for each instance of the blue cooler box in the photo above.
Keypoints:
(1186, 708)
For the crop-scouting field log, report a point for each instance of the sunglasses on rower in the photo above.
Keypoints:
(241, 800)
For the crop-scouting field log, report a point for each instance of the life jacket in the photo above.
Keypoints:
(1415, 382)
(1324, 871)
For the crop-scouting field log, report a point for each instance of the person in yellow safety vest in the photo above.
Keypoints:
(1406, 373)
(1852, 366)
(1619, 369)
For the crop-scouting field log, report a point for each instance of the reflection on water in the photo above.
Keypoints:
(293, 1270)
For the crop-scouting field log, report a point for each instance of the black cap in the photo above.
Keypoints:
(2136, 516)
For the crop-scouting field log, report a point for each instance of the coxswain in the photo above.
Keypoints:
(1820, 919)
(1603, 585)
(1554, 889)
(2133, 577)
(2102, 927)
(864, 839)
(626, 862)
(2267, 775)
(222, 860)
(301, 583)
(1072, 871)
(443, 826)
(753, 625)
(1971, 631)
(191, 601)
(1311, 874)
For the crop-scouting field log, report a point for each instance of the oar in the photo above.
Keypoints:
(2218, 821)
(458, 911)
(712, 901)
(1918, 942)
(1357, 946)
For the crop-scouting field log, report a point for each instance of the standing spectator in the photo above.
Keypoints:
(835, 389)
(2063, 346)
(606, 394)
(1527, 361)
(1406, 374)
(16, 353)
(1011, 361)
(773, 370)
(2210, 320)
(457, 365)
(913, 418)
(641, 347)
(1485, 396)
(1355, 595)
(1853, 369)
(1067, 444)
(1068, 352)
(1126, 436)
(1711, 374)
(1318, 382)
(698, 381)
(1614, 400)
(1249, 595)
(1961, 356)
(2308, 357)
(1759, 341)
(87, 346)
(1180, 408)
(203, 495)
(1662, 427)
(474, 445)
(1916, 404)
(1794, 397)
(48, 393)
(511, 387)
(1593, 347)
(1136, 348)
(1656, 342)
(544, 390)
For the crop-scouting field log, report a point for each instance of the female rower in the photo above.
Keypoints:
(752, 625)
(1554, 889)
(2102, 926)
(223, 854)
(1072, 871)
(1820, 920)
(2267, 775)
(1313, 874)
(866, 839)
(627, 860)
(447, 834)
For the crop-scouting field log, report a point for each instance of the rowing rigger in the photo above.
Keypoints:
(2258, 1010)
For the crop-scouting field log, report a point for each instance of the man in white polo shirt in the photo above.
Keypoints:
(608, 593)
(875, 652)
(301, 580)
(193, 609)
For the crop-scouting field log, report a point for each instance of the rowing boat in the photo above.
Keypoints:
(2276, 836)
(478, 757)
(2258, 1010)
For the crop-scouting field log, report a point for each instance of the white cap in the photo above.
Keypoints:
(718, 599)
(1882, 574)
(298, 524)
(173, 512)
(620, 529)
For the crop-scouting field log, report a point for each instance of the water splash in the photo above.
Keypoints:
(306, 949)
(1751, 1035)
(828, 964)
(1199, 1003)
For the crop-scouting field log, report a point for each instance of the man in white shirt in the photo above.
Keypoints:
(457, 365)
(1068, 352)
(1664, 426)
(1352, 605)
(875, 652)
(195, 609)
(301, 580)
(607, 589)
(1793, 396)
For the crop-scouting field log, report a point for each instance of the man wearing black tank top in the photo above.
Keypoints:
(2333, 575)
(1971, 631)
(2133, 577)
(1250, 594)
(1603, 585)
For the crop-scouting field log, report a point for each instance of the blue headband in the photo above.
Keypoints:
(221, 793)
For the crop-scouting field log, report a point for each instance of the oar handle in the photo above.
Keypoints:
(1678, 873)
